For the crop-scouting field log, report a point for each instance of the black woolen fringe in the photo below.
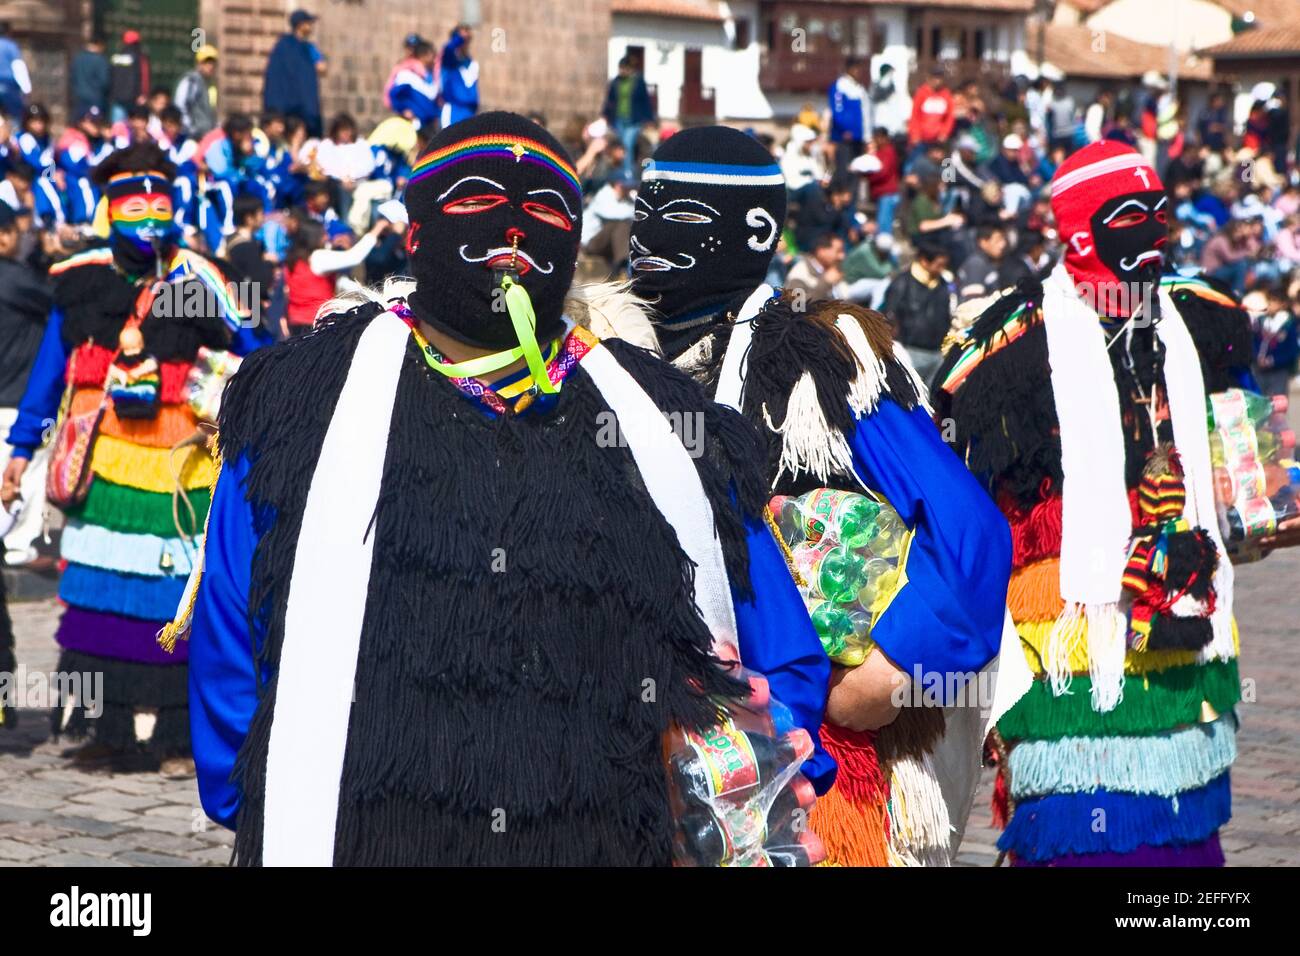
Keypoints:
(1221, 334)
(988, 326)
(510, 697)
(128, 687)
(786, 344)
(96, 300)
(1170, 633)
(275, 412)
(729, 468)
(1005, 417)
(1192, 556)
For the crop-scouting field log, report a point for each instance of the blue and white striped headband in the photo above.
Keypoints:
(713, 174)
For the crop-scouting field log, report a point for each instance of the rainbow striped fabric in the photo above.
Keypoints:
(1016, 325)
(516, 148)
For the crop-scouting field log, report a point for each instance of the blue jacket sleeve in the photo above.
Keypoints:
(778, 640)
(948, 616)
(223, 680)
(45, 382)
(248, 339)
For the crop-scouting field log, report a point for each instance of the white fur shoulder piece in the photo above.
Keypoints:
(610, 310)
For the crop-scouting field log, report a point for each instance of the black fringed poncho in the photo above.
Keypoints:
(529, 633)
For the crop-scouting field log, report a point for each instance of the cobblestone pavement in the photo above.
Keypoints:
(56, 814)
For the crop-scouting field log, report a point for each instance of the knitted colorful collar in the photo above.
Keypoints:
(517, 392)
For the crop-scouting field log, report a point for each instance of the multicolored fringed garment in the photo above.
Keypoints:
(130, 544)
(1119, 755)
(839, 406)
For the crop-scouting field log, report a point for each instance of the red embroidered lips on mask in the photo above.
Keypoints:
(1112, 215)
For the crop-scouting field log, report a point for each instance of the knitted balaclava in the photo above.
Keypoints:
(1110, 209)
(494, 196)
(137, 187)
(708, 216)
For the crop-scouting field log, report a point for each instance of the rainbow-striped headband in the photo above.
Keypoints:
(127, 184)
(503, 146)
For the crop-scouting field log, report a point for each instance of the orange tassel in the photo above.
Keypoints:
(853, 820)
(854, 834)
(1034, 592)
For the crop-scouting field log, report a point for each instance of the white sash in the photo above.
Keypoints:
(326, 606)
(731, 377)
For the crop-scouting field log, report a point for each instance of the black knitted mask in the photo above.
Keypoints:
(708, 217)
(494, 195)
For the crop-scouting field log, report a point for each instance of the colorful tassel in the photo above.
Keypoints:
(920, 831)
(1158, 702)
(1104, 822)
(1161, 764)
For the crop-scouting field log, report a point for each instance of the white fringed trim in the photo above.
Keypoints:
(865, 389)
(1066, 633)
(808, 443)
(1106, 630)
(392, 289)
(922, 390)
(1107, 646)
(920, 830)
(1164, 764)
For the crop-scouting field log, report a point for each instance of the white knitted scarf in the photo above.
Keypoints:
(1096, 520)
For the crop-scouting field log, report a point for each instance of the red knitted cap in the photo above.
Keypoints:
(1087, 180)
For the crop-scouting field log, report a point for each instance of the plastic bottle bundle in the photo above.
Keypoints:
(737, 793)
(846, 549)
(1252, 449)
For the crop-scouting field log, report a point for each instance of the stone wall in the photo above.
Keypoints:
(534, 55)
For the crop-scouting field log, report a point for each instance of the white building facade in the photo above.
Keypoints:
(758, 60)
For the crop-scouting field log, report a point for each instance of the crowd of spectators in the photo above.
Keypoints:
(923, 206)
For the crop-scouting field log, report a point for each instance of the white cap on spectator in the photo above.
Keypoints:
(1012, 141)
(866, 164)
(799, 133)
(1153, 79)
(1250, 207)
(598, 129)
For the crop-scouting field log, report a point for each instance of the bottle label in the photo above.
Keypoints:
(1241, 460)
(1258, 517)
(809, 562)
(820, 509)
(728, 757)
(1229, 408)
